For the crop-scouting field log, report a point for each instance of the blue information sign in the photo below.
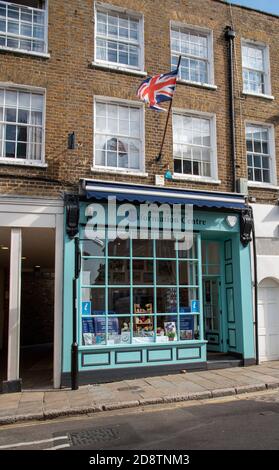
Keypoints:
(195, 306)
(86, 308)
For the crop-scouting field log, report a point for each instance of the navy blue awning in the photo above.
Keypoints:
(158, 194)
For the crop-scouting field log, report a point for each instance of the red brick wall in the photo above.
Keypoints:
(71, 83)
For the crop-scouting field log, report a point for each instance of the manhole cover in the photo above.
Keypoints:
(93, 436)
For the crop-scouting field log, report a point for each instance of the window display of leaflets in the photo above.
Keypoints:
(100, 338)
(88, 332)
(100, 325)
(89, 339)
(186, 327)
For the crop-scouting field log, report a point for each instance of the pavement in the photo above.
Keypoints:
(48, 404)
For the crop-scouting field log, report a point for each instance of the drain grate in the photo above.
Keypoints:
(93, 436)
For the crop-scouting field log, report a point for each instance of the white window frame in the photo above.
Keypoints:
(44, 54)
(210, 61)
(273, 170)
(109, 169)
(107, 8)
(267, 74)
(20, 161)
(213, 154)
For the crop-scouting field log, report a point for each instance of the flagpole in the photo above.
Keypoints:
(159, 156)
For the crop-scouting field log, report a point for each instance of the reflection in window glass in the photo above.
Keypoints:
(188, 273)
(192, 252)
(143, 248)
(93, 272)
(166, 300)
(93, 248)
(165, 249)
(119, 272)
(119, 247)
(118, 301)
(142, 272)
(96, 297)
(166, 272)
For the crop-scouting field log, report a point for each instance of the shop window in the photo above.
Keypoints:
(118, 38)
(119, 272)
(152, 303)
(21, 126)
(23, 26)
(143, 248)
(93, 248)
(118, 138)
(93, 272)
(119, 302)
(119, 247)
(143, 272)
(194, 146)
(196, 51)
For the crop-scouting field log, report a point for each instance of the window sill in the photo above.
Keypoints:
(5, 161)
(259, 185)
(195, 179)
(119, 172)
(42, 55)
(208, 86)
(259, 95)
(116, 68)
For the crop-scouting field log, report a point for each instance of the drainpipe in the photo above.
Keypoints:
(256, 322)
(74, 349)
(230, 35)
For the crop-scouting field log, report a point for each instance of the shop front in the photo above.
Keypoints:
(145, 303)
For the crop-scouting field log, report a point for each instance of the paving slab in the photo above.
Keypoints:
(171, 388)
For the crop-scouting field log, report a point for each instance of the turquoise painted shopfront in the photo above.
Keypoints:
(143, 303)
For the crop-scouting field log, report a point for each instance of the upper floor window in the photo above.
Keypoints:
(23, 26)
(194, 145)
(255, 67)
(118, 38)
(118, 136)
(260, 153)
(21, 125)
(195, 47)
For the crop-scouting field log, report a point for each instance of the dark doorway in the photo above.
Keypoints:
(37, 308)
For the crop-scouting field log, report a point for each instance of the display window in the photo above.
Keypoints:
(138, 292)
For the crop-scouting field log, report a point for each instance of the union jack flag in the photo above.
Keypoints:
(157, 89)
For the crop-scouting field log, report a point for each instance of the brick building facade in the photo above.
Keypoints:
(70, 70)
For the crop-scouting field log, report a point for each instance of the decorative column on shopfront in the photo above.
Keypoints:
(13, 383)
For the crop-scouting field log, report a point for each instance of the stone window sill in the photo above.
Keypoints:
(141, 174)
(120, 69)
(208, 86)
(194, 179)
(22, 163)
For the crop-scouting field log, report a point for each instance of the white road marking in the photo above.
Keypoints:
(61, 446)
(30, 443)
